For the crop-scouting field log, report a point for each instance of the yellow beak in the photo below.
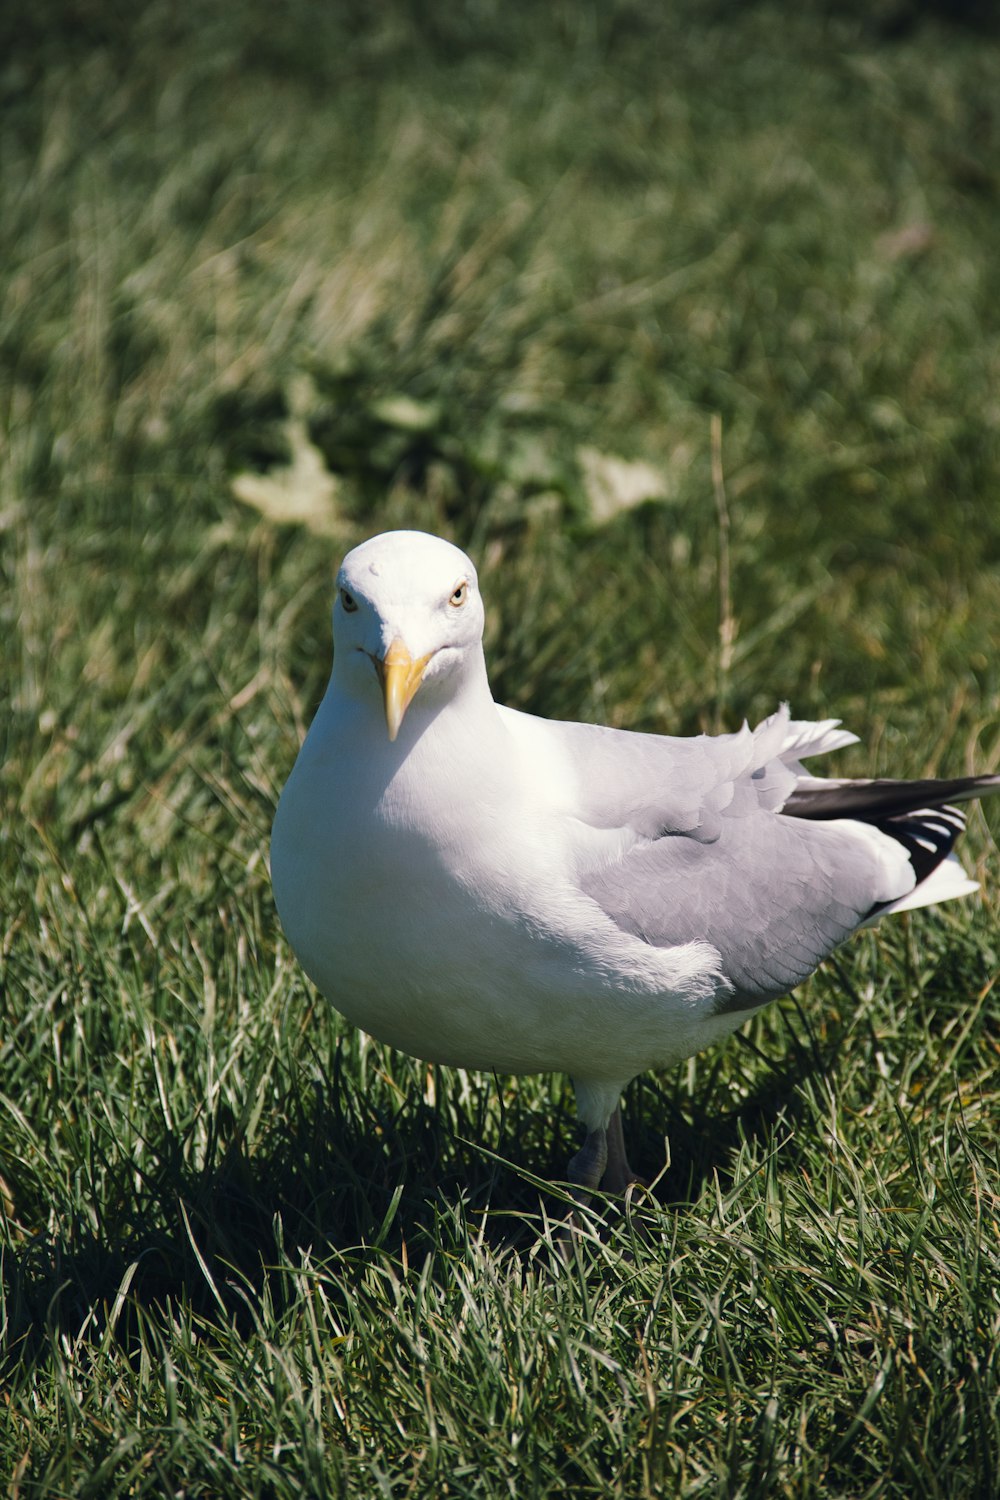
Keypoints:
(400, 677)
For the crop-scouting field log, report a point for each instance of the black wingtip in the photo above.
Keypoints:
(871, 801)
(928, 834)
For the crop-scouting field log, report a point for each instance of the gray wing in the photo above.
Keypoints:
(731, 846)
(659, 784)
(773, 895)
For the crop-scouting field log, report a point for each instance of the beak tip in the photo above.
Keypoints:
(400, 677)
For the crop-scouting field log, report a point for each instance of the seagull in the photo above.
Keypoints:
(488, 889)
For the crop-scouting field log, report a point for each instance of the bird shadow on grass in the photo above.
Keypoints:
(338, 1174)
(689, 1145)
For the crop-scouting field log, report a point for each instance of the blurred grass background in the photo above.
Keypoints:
(275, 278)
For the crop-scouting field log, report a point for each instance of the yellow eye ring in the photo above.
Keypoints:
(459, 597)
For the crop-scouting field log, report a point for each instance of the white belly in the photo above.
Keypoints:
(463, 948)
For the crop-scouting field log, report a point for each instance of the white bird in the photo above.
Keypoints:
(487, 889)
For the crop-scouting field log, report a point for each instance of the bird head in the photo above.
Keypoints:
(407, 617)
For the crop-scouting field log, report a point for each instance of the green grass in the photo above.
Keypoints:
(245, 1250)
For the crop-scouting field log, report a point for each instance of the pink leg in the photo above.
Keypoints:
(586, 1168)
(618, 1174)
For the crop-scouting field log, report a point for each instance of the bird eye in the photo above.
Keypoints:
(348, 601)
(460, 595)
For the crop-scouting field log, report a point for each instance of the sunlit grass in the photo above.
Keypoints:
(245, 1250)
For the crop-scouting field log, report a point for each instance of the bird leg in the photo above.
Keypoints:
(586, 1168)
(600, 1162)
(618, 1174)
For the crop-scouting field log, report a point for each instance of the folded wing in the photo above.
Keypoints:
(738, 846)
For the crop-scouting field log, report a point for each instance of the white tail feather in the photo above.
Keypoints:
(946, 882)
